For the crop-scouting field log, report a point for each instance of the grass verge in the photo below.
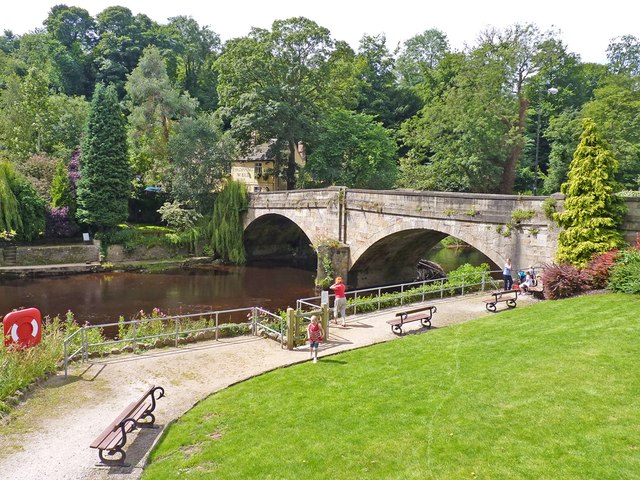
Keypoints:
(546, 391)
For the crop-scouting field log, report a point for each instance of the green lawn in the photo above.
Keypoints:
(549, 391)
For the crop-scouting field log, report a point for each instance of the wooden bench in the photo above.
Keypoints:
(423, 314)
(508, 296)
(114, 437)
(537, 292)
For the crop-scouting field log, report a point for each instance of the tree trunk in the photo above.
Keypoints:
(291, 166)
(515, 152)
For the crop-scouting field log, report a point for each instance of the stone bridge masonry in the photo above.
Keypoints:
(382, 234)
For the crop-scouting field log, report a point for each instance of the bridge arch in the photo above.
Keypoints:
(276, 237)
(393, 253)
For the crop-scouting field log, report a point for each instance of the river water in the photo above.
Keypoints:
(102, 298)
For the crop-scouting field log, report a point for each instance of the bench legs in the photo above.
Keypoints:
(148, 418)
(115, 455)
(492, 306)
(112, 454)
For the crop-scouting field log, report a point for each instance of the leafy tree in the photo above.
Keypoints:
(592, 210)
(21, 209)
(274, 83)
(201, 157)
(9, 214)
(195, 49)
(36, 121)
(623, 54)
(9, 42)
(522, 50)
(61, 193)
(354, 151)
(461, 138)
(123, 38)
(226, 222)
(32, 210)
(103, 188)
(74, 30)
(563, 134)
(39, 170)
(379, 93)
(154, 105)
(420, 55)
(616, 111)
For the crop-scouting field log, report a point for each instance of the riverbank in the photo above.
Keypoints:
(48, 435)
(41, 271)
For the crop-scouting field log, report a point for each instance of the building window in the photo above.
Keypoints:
(257, 170)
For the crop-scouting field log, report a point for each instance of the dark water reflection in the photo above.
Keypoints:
(102, 298)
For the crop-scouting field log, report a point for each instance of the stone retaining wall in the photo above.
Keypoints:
(54, 255)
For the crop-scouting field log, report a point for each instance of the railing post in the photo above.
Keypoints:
(85, 348)
(324, 312)
(254, 320)
(66, 360)
(135, 335)
(463, 278)
(483, 280)
(175, 340)
(379, 297)
(217, 325)
(441, 288)
(290, 328)
(355, 303)
(402, 294)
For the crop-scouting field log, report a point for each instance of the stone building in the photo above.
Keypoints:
(257, 167)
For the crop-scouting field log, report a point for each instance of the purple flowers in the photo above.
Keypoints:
(60, 223)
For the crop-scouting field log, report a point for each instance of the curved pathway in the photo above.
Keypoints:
(49, 434)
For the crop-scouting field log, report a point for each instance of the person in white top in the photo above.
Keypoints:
(506, 275)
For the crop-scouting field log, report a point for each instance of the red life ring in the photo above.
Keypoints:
(22, 328)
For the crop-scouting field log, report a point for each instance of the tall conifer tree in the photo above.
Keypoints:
(103, 188)
(592, 211)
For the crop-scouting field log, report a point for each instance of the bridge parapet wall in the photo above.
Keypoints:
(500, 226)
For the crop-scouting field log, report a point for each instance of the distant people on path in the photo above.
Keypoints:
(506, 275)
(315, 333)
(340, 304)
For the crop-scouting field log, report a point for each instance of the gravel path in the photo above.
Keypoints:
(48, 435)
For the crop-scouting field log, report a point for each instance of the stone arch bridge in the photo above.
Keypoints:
(379, 236)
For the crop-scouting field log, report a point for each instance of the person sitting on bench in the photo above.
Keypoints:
(528, 283)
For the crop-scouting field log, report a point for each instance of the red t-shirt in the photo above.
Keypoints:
(339, 289)
(314, 333)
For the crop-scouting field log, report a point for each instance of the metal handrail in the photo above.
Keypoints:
(176, 333)
(400, 291)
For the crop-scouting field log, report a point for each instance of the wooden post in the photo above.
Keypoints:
(291, 328)
(325, 320)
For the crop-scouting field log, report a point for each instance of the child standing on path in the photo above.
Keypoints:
(340, 304)
(316, 335)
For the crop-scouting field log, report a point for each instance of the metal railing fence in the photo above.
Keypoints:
(177, 329)
(377, 298)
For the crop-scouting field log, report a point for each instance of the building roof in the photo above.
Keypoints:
(259, 153)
